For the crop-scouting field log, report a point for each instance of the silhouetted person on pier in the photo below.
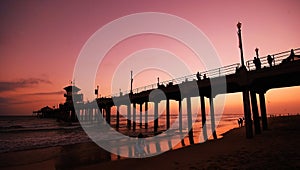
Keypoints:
(198, 75)
(291, 57)
(204, 76)
(257, 63)
(170, 84)
(270, 60)
(121, 94)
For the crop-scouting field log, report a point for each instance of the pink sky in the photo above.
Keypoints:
(41, 40)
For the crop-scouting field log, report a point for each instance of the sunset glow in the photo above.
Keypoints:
(41, 40)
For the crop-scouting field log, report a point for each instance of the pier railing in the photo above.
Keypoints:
(278, 58)
(222, 71)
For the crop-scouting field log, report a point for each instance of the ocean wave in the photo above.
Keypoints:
(16, 129)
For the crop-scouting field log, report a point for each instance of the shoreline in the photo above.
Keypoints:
(231, 151)
(276, 148)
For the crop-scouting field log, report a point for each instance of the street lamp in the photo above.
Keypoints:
(239, 25)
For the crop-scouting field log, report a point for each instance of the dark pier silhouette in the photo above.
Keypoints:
(251, 78)
(246, 79)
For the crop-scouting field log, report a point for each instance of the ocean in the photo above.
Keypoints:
(19, 133)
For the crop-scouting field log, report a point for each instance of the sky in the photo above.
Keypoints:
(41, 40)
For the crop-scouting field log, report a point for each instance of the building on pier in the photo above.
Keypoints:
(65, 111)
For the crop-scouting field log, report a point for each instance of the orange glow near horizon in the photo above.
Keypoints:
(39, 45)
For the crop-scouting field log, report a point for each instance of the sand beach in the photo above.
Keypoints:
(276, 148)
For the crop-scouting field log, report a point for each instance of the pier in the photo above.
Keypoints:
(252, 78)
(283, 71)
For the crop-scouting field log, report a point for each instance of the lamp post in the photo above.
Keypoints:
(239, 25)
(97, 91)
(131, 81)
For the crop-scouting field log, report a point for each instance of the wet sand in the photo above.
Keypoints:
(277, 148)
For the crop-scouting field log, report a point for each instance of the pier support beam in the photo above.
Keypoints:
(155, 117)
(189, 117)
(247, 114)
(203, 115)
(107, 110)
(146, 115)
(141, 115)
(255, 113)
(180, 114)
(80, 113)
(91, 115)
(86, 113)
(134, 116)
(263, 111)
(129, 116)
(212, 117)
(96, 114)
(168, 113)
(118, 118)
(98, 111)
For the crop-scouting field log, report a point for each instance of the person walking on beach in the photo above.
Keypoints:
(240, 122)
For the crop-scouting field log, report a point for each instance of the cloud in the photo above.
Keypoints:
(4, 101)
(46, 93)
(22, 83)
